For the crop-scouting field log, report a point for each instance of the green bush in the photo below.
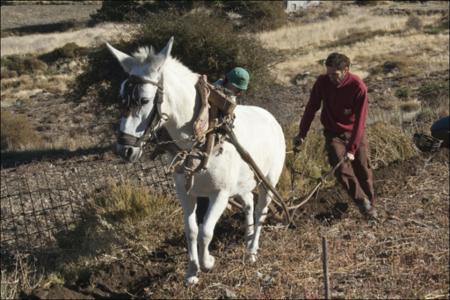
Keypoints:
(205, 43)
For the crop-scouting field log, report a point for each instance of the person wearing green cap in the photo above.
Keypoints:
(235, 82)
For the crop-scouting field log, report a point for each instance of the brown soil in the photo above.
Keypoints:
(410, 209)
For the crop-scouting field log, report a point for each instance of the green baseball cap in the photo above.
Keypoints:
(238, 77)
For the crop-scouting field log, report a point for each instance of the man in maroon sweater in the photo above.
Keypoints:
(343, 97)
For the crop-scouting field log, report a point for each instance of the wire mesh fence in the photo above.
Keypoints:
(44, 198)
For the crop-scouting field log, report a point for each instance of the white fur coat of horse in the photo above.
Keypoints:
(226, 175)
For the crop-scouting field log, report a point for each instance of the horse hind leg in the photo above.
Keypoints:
(247, 200)
(261, 210)
(217, 205)
(191, 232)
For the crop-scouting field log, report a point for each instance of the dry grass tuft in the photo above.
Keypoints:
(17, 133)
(123, 201)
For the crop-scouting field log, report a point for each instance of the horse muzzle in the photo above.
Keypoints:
(128, 153)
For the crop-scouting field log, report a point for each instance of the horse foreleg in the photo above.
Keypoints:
(260, 215)
(217, 205)
(191, 231)
(247, 199)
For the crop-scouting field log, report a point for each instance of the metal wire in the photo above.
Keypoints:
(42, 199)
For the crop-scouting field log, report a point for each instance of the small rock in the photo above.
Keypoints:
(229, 294)
(371, 236)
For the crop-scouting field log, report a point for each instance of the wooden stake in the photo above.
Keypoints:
(325, 267)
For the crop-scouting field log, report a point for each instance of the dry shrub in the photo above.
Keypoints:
(124, 201)
(367, 2)
(434, 92)
(439, 26)
(357, 37)
(401, 65)
(414, 22)
(5, 73)
(16, 132)
(256, 15)
(69, 50)
(402, 93)
(23, 64)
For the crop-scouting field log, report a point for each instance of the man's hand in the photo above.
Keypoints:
(349, 156)
(297, 141)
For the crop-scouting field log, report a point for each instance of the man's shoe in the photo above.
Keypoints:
(367, 209)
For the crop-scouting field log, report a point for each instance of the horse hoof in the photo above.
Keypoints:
(208, 263)
(191, 280)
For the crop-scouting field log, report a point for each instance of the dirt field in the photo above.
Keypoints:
(404, 255)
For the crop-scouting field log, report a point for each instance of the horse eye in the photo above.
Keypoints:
(145, 101)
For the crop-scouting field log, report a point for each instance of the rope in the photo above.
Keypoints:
(316, 188)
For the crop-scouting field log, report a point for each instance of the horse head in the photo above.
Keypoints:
(142, 97)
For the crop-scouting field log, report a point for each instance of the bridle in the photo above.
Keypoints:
(130, 98)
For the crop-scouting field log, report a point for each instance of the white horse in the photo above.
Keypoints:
(162, 92)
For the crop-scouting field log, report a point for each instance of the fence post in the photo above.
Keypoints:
(325, 267)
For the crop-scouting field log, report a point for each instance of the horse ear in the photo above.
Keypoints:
(168, 48)
(127, 62)
(152, 51)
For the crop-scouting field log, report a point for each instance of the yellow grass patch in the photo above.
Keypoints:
(316, 34)
(431, 51)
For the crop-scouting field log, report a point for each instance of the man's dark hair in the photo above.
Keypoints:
(338, 61)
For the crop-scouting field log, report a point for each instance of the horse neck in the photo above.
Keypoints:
(183, 104)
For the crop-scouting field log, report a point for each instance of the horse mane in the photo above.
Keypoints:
(171, 66)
